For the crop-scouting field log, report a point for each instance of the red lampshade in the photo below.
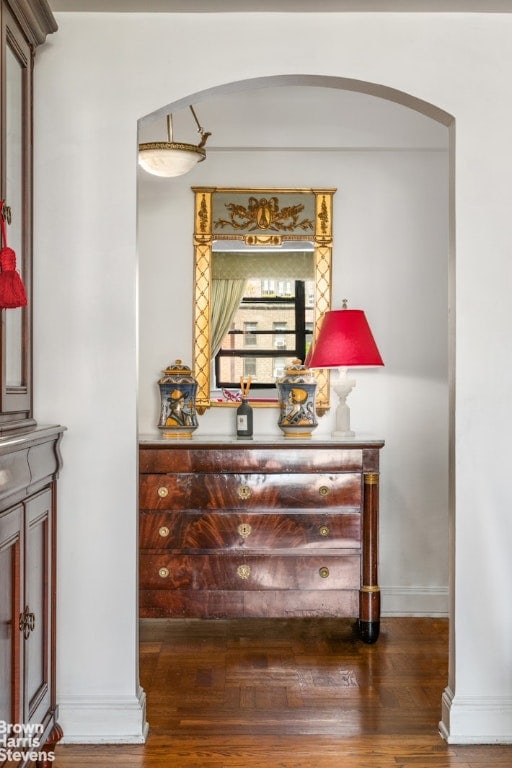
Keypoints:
(344, 340)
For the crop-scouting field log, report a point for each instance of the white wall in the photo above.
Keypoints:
(95, 78)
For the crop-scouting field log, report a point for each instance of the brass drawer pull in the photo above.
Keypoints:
(163, 573)
(245, 530)
(163, 492)
(323, 490)
(244, 571)
(163, 531)
(324, 530)
(324, 572)
(244, 492)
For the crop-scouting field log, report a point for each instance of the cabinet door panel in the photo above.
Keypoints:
(11, 565)
(38, 581)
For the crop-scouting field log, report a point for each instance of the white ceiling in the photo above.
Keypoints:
(288, 6)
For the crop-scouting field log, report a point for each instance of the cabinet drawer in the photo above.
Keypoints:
(248, 530)
(232, 491)
(255, 457)
(249, 572)
(216, 604)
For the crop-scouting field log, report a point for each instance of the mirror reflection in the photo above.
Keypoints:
(14, 319)
(262, 313)
(262, 282)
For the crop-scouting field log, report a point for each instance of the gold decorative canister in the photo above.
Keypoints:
(178, 415)
(297, 393)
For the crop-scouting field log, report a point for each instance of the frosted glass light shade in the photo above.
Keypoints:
(168, 159)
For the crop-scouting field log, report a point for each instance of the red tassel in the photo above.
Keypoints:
(12, 290)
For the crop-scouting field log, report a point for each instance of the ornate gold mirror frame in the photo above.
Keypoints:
(257, 217)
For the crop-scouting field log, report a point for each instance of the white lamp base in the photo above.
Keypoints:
(343, 386)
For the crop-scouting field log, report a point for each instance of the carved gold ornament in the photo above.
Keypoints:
(265, 213)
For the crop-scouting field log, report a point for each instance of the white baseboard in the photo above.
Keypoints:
(472, 720)
(103, 720)
(414, 601)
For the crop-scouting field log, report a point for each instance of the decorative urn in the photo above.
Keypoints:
(178, 388)
(296, 392)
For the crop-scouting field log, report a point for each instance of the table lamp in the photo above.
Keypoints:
(344, 341)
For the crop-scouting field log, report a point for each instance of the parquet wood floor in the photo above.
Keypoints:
(301, 693)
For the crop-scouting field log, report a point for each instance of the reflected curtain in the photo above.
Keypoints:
(226, 298)
(294, 265)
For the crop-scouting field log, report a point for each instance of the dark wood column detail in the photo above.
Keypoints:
(369, 595)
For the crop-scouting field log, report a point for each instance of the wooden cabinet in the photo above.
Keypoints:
(260, 528)
(29, 464)
(29, 455)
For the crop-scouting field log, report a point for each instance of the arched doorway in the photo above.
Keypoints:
(393, 247)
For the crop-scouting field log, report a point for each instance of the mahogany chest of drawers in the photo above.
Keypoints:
(275, 527)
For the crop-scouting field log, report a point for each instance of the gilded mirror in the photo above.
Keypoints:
(267, 241)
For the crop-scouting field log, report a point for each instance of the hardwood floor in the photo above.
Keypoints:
(301, 693)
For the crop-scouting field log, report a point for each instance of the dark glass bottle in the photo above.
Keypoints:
(244, 419)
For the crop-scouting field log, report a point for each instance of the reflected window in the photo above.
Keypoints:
(272, 326)
(280, 335)
(250, 328)
(279, 367)
(250, 367)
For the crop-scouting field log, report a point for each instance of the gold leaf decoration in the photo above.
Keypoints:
(265, 214)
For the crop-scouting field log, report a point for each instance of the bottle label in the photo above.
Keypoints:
(241, 421)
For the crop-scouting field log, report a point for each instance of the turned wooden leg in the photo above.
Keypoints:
(369, 593)
(54, 737)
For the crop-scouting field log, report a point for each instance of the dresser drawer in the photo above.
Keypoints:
(249, 572)
(270, 459)
(232, 491)
(248, 530)
(227, 604)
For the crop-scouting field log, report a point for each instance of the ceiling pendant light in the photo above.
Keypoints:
(172, 158)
